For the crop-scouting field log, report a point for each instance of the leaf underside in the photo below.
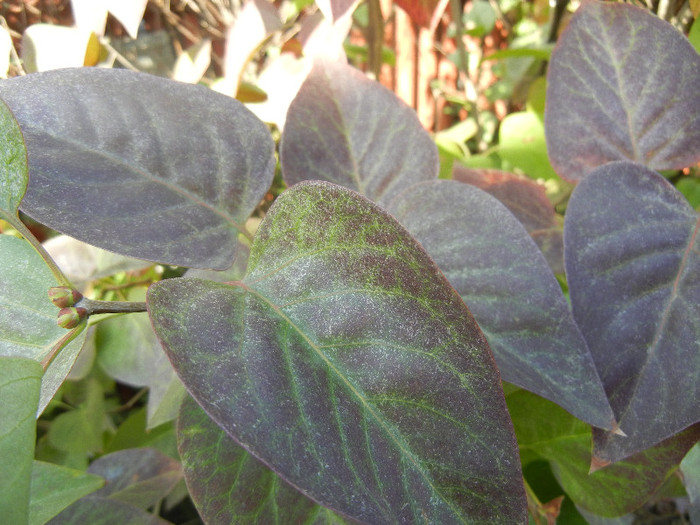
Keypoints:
(622, 85)
(632, 261)
(140, 165)
(346, 362)
(493, 263)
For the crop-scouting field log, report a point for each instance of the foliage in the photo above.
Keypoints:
(343, 351)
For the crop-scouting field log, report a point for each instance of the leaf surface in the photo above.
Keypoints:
(27, 317)
(105, 511)
(690, 468)
(228, 485)
(632, 260)
(622, 85)
(546, 430)
(346, 362)
(20, 381)
(140, 165)
(54, 487)
(13, 164)
(492, 262)
(349, 130)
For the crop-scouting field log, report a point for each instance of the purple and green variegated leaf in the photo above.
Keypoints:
(622, 85)
(347, 363)
(228, 485)
(97, 510)
(13, 164)
(546, 430)
(494, 264)
(347, 129)
(140, 165)
(631, 249)
(527, 200)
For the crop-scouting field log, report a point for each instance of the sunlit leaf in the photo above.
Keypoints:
(349, 130)
(546, 430)
(140, 165)
(54, 487)
(46, 47)
(631, 253)
(228, 485)
(523, 145)
(505, 281)
(28, 319)
(20, 380)
(346, 362)
(622, 85)
(335, 9)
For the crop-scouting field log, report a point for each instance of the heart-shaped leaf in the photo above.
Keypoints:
(228, 485)
(20, 380)
(546, 430)
(347, 129)
(502, 276)
(631, 253)
(622, 85)
(141, 165)
(28, 319)
(346, 362)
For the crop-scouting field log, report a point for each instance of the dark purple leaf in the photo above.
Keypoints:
(140, 165)
(228, 485)
(347, 129)
(505, 281)
(622, 85)
(104, 511)
(137, 476)
(552, 434)
(526, 200)
(631, 252)
(346, 362)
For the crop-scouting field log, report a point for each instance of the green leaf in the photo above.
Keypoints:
(522, 144)
(54, 487)
(690, 468)
(86, 421)
(141, 165)
(13, 164)
(349, 130)
(622, 85)
(130, 353)
(490, 259)
(228, 485)
(551, 433)
(27, 317)
(20, 381)
(632, 262)
(346, 362)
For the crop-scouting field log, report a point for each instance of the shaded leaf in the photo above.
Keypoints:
(20, 380)
(526, 200)
(228, 485)
(86, 421)
(349, 130)
(54, 487)
(141, 165)
(622, 85)
(13, 164)
(27, 317)
(631, 253)
(546, 430)
(138, 476)
(105, 511)
(690, 468)
(489, 258)
(346, 362)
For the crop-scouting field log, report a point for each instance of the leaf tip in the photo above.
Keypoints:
(597, 464)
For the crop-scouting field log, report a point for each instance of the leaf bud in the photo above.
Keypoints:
(63, 296)
(71, 316)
